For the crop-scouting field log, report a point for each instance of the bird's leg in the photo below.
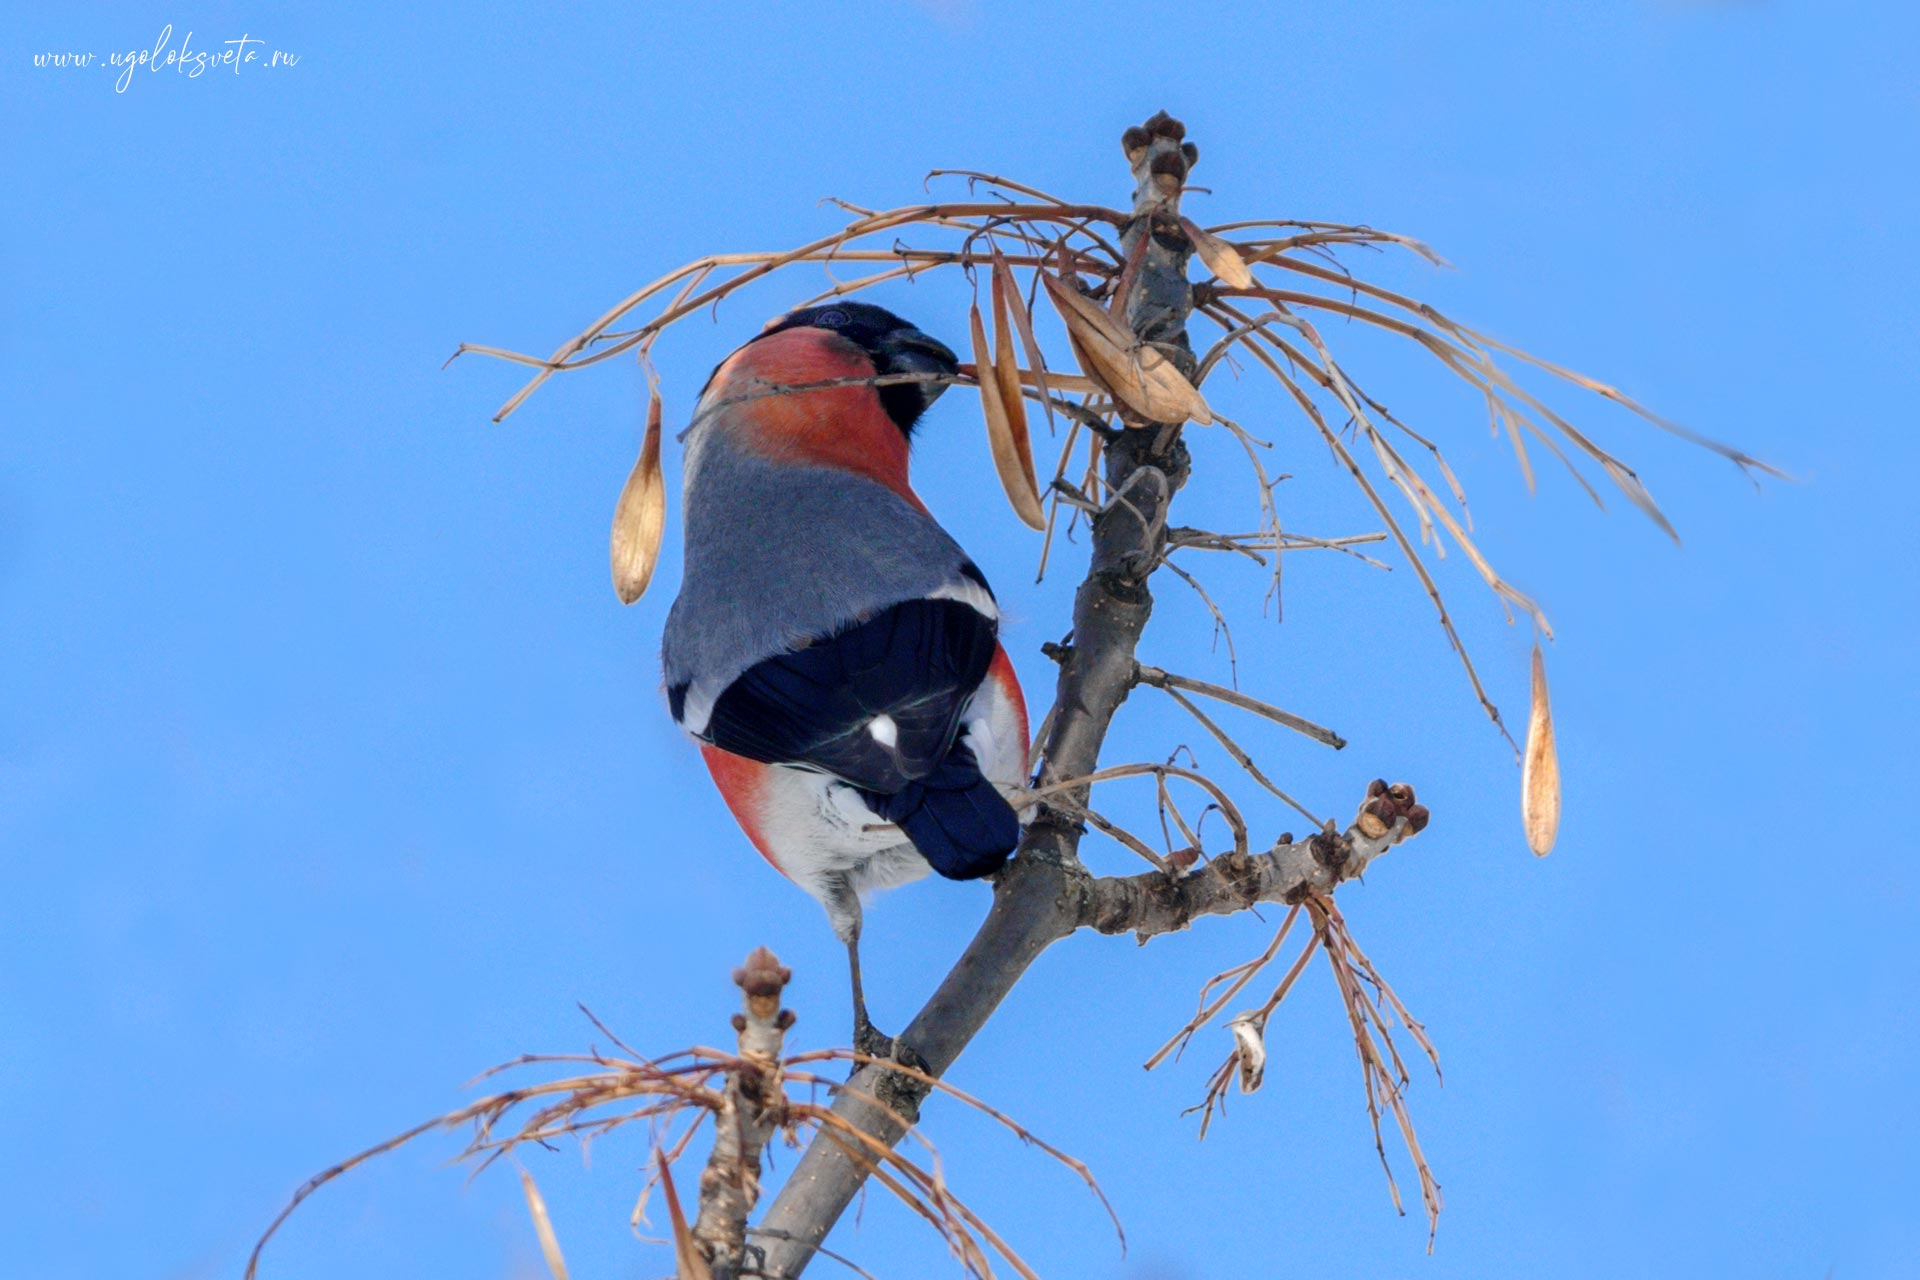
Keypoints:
(866, 1038)
(843, 908)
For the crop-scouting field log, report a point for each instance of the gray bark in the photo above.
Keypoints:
(752, 1107)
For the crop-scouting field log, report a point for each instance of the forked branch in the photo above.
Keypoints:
(1124, 300)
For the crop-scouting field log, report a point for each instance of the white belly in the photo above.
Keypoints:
(826, 839)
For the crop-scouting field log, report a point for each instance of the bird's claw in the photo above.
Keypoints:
(867, 1039)
(870, 1043)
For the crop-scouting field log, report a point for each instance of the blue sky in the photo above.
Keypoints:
(332, 772)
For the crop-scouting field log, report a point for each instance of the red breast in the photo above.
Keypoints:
(739, 781)
(833, 426)
(1000, 672)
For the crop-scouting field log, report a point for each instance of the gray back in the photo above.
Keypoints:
(777, 554)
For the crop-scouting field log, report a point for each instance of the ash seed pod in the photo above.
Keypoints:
(1135, 141)
(1251, 1042)
(1371, 825)
(1540, 768)
(1005, 287)
(1221, 258)
(1191, 152)
(1013, 464)
(1417, 819)
(1137, 375)
(1013, 404)
(640, 516)
(1165, 126)
(1378, 787)
(543, 1227)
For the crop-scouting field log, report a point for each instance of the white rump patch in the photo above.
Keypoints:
(697, 708)
(970, 593)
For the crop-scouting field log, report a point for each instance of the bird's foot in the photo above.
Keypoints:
(868, 1040)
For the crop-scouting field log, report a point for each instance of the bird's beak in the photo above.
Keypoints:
(911, 351)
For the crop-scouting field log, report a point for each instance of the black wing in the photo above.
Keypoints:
(916, 663)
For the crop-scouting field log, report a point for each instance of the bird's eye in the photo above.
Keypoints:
(833, 318)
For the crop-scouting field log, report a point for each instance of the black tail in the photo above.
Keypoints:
(956, 818)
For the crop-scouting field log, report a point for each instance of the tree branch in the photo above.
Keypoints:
(751, 1107)
(1150, 904)
(1045, 894)
(1299, 724)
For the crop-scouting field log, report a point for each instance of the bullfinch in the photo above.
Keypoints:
(832, 649)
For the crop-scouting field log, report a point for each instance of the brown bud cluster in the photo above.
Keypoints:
(1163, 125)
(1170, 164)
(1171, 167)
(1385, 804)
(763, 974)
